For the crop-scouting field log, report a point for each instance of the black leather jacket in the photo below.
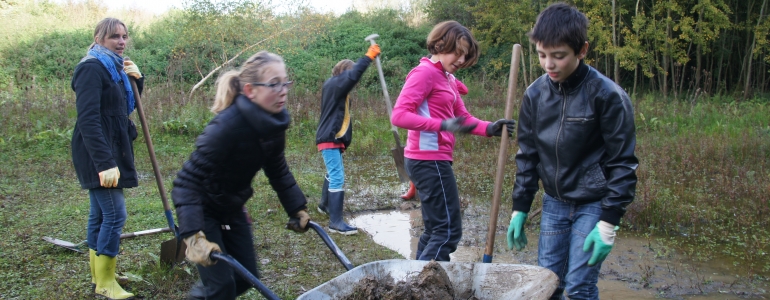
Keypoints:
(241, 140)
(578, 138)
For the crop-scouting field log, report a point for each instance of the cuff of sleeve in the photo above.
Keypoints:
(611, 216)
(521, 207)
(295, 211)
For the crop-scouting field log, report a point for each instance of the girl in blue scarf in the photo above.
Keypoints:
(102, 149)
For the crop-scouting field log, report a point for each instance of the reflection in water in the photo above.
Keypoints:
(390, 229)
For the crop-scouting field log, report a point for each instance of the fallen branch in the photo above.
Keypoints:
(234, 57)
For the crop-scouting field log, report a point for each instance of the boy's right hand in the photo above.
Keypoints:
(373, 51)
(516, 236)
(199, 249)
(455, 125)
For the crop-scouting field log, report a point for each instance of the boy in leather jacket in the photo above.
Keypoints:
(576, 134)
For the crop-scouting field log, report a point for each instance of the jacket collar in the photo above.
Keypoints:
(574, 80)
(437, 65)
(262, 121)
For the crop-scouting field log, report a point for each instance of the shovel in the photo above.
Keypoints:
(503, 154)
(171, 251)
(398, 151)
(79, 246)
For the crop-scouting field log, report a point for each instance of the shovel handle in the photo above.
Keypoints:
(332, 246)
(151, 150)
(245, 274)
(503, 154)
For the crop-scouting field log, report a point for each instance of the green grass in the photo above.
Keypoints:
(703, 185)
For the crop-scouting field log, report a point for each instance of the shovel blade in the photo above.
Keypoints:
(65, 244)
(172, 251)
(398, 158)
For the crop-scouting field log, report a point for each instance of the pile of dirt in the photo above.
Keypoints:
(432, 283)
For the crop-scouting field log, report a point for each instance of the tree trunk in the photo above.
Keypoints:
(751, 53)
(616, 64)
(698, 54)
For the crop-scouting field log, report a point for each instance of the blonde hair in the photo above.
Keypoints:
(105, 28)
(342, 66)
(453, 37)
(231, 83)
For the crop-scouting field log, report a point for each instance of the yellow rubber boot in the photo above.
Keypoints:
(104, 269)
(91, 263)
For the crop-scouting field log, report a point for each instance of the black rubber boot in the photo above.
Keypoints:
(324, 197)
(336, 223)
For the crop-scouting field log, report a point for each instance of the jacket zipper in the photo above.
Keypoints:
(558, 135)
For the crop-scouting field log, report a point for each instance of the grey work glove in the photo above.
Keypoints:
(298, 222)
(455, 125)
(496, 128)
(199, 249)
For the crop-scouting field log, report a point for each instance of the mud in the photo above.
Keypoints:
(431, 283)
(639, 267)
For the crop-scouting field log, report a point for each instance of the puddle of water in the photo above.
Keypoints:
(399, 231)
(390, 229)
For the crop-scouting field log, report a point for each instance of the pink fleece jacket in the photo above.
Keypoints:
(430, 95)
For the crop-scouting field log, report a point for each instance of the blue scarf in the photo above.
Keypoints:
(111, 61)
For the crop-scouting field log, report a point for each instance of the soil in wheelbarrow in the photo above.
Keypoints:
(432, 283)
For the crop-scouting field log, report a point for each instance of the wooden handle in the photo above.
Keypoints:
(150, 148)
(503, 154)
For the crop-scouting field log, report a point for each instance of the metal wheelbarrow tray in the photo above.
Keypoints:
(487, 281)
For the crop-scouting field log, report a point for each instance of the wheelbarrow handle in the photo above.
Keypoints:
(332, 246)
(245, 274)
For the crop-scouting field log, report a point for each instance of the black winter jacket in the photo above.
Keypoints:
(103, 135)
(578, 138)
(335, 125)
(234, 146)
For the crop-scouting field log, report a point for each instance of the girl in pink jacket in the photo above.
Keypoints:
(431, 108)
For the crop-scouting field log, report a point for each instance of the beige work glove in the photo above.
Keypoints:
(131, 69)
(298, 222)
(199, 249)
(109, 178)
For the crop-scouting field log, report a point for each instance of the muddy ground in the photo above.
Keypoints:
(638, 267)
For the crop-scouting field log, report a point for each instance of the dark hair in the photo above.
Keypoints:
(560, 24)
(452, 37)
(342, 66)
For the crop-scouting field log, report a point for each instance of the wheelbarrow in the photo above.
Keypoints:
(485, 281)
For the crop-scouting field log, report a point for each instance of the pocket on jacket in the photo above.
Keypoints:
(594, 179)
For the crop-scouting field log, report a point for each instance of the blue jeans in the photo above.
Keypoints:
(335, 171)
(106, 220)
(563, 230)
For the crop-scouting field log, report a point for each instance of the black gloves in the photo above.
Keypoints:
(496, 128)
(455, 125)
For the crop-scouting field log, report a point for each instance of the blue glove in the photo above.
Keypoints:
(516, 236)
(602, 238)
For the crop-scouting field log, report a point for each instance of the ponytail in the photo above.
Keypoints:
(228, 86)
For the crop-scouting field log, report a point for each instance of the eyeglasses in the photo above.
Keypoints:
(276, 87)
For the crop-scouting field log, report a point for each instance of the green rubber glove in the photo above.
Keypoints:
(516, 236)
(602, 238)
